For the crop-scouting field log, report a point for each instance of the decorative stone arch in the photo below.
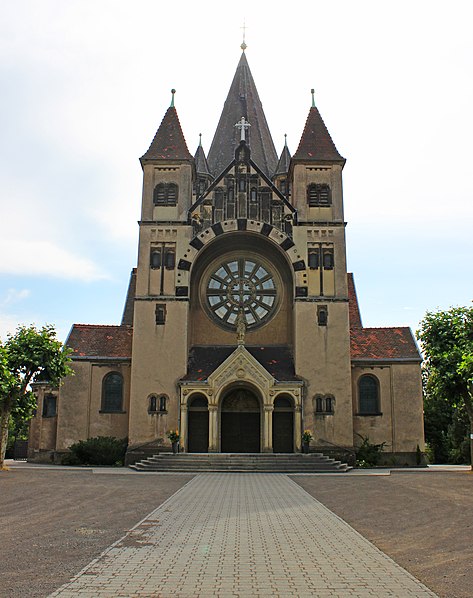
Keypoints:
(242, 370)
(241, 225)
(241, 418)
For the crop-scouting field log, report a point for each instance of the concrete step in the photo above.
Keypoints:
(239, 462)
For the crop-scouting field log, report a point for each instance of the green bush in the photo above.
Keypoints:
(368, 454)
(103, 450)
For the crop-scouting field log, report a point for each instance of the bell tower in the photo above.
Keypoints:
(159, 354)
(322, 337)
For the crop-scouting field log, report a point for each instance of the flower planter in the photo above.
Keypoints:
(175, 447)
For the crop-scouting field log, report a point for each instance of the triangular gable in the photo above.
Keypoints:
(238, 367)
(221, 176)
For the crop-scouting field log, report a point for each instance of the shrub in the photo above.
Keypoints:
(103, 450)
(368, 454)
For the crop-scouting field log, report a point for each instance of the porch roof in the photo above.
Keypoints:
(277, 360)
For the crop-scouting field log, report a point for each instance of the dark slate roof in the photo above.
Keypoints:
(316, 143)
(169, 142)
(128, 311)
(89, 340)
(284, 161)
(201, 164)
(377, 344)
(277, 360)
(242, 100)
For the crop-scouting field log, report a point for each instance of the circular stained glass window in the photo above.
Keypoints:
(241, 285)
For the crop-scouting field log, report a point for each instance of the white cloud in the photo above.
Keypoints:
(13, 296)
(45, 258)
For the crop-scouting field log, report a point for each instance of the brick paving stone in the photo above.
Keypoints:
(243, 535)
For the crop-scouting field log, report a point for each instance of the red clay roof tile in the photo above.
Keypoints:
(169, 142)
(87, 340)
(316, 143)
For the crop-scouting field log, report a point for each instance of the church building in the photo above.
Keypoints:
(241, 327)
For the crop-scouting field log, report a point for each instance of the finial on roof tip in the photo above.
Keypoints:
(312, 91)
(173, 91)
(200, 139)
(285, 139)
(243, 45)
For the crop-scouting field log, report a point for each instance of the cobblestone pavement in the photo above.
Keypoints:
(243, 535)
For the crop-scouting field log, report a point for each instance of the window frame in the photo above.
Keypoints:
(362, 400)
(319, 195)
(106, 401)
(165, 195)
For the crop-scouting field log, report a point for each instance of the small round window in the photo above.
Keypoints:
(241, 285)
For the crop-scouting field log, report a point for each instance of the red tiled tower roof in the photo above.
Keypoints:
(89, 340)
(169, 142)
(316, 143)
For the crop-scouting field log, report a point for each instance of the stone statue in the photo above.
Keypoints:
(241, 327)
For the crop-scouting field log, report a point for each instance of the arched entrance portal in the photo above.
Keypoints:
(198, 425)
(240, 422)
(283, 425)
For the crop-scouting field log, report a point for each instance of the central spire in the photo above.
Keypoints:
(242, 101)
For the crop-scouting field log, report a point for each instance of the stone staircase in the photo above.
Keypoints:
(241, 462)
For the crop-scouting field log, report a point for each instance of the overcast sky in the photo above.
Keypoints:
(85, 84)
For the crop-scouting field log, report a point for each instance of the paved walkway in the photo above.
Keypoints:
(244, 535)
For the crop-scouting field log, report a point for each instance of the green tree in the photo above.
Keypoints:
(447, 343)
(29, 355)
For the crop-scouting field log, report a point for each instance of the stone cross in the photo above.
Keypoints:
(242, 124)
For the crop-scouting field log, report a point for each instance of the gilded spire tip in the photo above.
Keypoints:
(173, 91)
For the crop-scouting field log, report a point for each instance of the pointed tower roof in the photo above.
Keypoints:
(201, 164)
(242, 100)
(284, 160)
(316, 143)
(169, 142)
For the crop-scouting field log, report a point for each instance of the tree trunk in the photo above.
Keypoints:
(4, 418)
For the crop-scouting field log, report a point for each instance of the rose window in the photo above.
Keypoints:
(241, 285)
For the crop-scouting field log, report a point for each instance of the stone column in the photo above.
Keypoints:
(213, 429)
(183, 440)
(268, 429)
(298, 428)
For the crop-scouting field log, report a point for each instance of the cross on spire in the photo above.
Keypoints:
(242, 124)
(243, 44)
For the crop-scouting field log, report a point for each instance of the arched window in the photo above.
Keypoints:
(170, 259)
(328, 259)
(319, 404)
(155, 259)
(329, 402)
(368, 393)
(318, 195)
(165, 194)
(152, 404)
(282, 403)
(112, 393)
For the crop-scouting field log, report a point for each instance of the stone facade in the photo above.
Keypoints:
(241, 326)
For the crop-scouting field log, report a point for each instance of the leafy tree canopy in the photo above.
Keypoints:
(447, 342)
(29, 355)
